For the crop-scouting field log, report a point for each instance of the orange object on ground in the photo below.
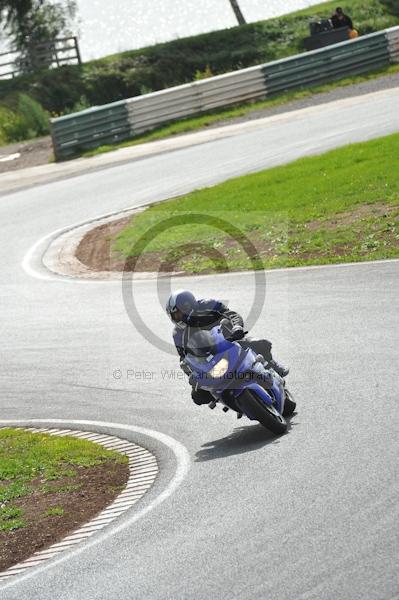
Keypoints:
(353, 34)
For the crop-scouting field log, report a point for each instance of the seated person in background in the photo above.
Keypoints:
(340, 19)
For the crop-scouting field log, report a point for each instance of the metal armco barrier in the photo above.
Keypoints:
(231, 88)
(333, 62)
(90, 128)
(393, 43)
(149, 111)
(124, 119)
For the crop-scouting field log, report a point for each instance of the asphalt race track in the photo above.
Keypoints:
(310, 515)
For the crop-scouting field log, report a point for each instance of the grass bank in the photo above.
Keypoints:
(136, 72)
(337, 207)
(50, 485)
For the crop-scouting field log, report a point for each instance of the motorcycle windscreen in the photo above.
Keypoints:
(199, 342)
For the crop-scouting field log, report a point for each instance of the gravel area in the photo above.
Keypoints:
(39, 152)
(32, 153)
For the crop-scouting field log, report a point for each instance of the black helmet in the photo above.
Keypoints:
(183, 301)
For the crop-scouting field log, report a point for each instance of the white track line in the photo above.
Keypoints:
(183, 465)
(45, 241)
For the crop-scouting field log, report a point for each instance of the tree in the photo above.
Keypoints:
(237, 11)
(33, 25)
(14, 12)
(392, 6)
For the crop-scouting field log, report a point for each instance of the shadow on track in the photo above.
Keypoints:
(243, 439)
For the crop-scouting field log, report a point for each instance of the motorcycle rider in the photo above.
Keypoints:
(186, 311)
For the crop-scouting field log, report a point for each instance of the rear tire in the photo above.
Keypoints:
(268, 416)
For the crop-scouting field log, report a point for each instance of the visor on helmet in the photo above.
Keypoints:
(180, 304)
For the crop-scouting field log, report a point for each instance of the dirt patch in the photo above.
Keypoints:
(80, 497)
(32, 153)
(95, 251)
(96, 248)
(365, 211)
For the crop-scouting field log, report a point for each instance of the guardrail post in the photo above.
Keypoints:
(57, 156)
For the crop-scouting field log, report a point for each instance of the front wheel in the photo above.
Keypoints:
(289, 404)
(268, 416)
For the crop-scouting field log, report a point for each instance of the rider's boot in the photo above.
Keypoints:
(279, 368)
(201, 396)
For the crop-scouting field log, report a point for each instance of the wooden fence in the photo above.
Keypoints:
(45, 55)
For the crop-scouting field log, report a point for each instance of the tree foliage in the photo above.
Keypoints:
(31, 23)
(13, 12)
(392, 6)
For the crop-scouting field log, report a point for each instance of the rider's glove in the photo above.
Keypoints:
(232, 331)
(236, 320)
(237, 333)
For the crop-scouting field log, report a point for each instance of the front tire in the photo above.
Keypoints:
(289, 404)
(268, 416)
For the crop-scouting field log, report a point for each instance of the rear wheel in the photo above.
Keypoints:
(268, 416)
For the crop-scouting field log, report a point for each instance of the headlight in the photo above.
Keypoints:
(220, 368)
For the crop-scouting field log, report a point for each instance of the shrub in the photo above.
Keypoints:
(392, 6)
(15, 129)
(57, 89)
(82, 104)
(103, 86)
(205, 74)
(6, 116)
(23, 119)
(36, 119)
(12, 126)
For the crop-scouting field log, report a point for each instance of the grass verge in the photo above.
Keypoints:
(50, 485)
(337, 207)
(222, 115)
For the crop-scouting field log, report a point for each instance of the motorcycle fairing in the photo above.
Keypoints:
(240, 362)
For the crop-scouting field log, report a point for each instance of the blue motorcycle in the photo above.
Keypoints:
(237, 378)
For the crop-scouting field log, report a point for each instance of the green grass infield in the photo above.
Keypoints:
(31, 464)
(337, 207)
